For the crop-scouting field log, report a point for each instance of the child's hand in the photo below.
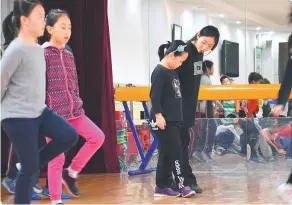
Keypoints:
(282, 152)
(276, 111)
(160, 121)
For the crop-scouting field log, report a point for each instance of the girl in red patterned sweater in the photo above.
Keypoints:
(62, 96)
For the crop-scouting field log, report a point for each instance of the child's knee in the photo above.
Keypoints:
(97, 139)
(58, 161)
(70, 136)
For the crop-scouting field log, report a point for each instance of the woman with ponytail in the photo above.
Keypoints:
(166, 115)
(285, 190)
(24, 115)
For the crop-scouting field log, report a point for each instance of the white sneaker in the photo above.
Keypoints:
(285, 192)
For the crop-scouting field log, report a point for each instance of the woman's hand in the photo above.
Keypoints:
(282, 152)
(160, 121)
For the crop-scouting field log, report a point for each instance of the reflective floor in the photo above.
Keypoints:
(229, 180)
(242, 162)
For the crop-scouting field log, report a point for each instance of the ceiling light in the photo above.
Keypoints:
(238, 22)
(222, 15)
(258, 28)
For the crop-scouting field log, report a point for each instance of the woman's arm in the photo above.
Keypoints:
(286, 85)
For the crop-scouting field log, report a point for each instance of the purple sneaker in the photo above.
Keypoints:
(187, 192)
(9, 185)
(162, 192)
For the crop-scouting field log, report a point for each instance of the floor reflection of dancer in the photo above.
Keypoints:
(285, 190)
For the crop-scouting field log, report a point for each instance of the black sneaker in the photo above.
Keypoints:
(70, 184)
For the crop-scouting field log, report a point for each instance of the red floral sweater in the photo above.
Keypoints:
(62, 91)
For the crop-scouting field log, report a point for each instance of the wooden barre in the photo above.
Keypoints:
(211, 92)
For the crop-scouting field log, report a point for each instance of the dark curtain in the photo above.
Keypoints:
(90, 43)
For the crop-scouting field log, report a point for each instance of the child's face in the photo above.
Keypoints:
(255, 82)
(204, 43)
(176, 61)
(61, 31)
(225, 81)
(35, 22)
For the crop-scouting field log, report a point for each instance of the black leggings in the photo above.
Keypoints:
(170, 156)
(24, 134)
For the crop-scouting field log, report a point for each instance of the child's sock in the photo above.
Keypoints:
(72, 173)
(57, 202)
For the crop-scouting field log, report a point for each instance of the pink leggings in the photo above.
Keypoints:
(94, 138)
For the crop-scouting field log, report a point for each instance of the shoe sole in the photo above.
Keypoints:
(189, 195)
(282, 194)
(68, 189)
(36, 190)
(7, 188)
(164, 195)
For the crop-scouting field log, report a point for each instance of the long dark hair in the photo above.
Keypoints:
(208, 31)
(169, 47)
(11, 23)
(52, 18)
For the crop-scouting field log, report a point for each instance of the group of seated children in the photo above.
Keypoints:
(243, 123)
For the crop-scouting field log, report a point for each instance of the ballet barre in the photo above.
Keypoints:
(211, 92)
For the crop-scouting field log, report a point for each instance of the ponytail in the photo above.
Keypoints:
(177, 46)
(9, 30)
(11, 24)
(195, 37)
(161, 50)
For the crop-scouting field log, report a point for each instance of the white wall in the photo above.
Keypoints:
(128, 22)
(137, 33)
(192, 20)
(271, 54)
(137, 28)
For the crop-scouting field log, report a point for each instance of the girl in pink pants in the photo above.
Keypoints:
(63, 97)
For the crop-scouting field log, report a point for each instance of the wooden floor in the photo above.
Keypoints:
(230, 180)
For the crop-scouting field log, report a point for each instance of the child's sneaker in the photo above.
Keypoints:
(64, 196)
(35, 196)
(9, 184)
(196, 188)
(285, 192)
(187, 192)
(37, 188)
(70, 184)
(162, 192)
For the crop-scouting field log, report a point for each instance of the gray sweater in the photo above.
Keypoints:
(23, 81)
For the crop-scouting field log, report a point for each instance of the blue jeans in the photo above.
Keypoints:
(24, 134)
